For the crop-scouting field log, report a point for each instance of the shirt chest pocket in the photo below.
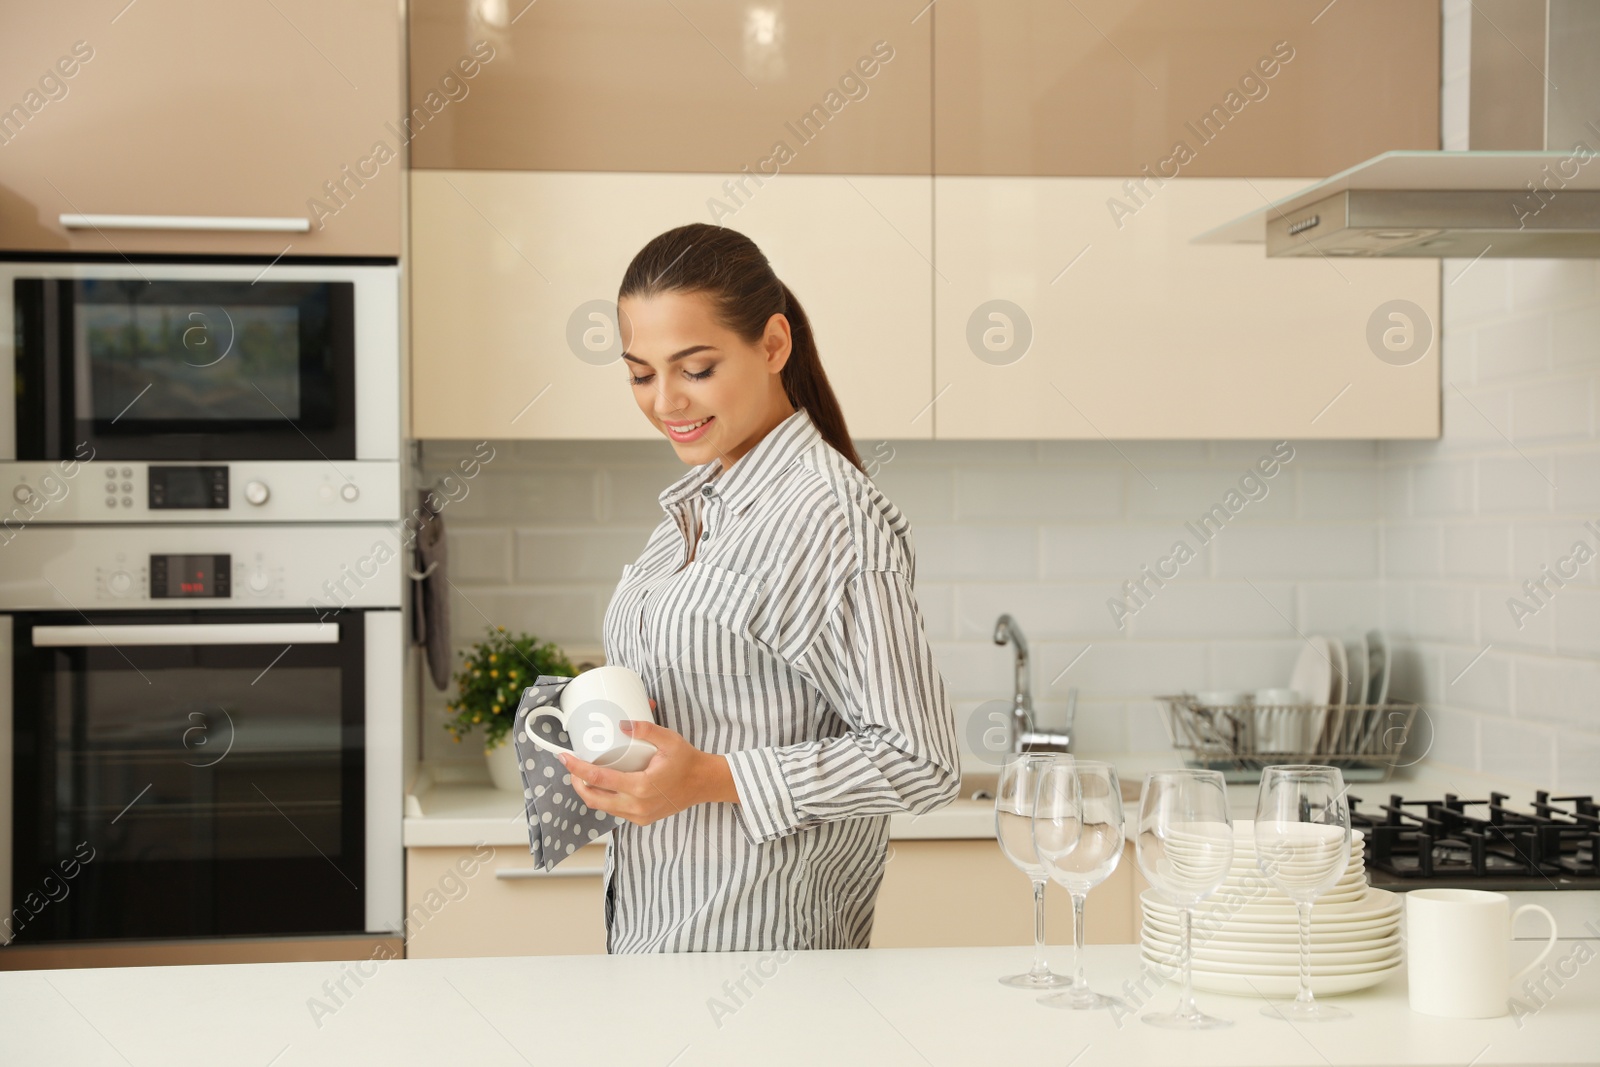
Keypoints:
(704, 621)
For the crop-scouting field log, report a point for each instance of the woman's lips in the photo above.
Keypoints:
(692, 435)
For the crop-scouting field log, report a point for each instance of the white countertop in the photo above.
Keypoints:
(881, 1007)
(453, 805)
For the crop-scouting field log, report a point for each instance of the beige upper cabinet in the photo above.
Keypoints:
(820, 87)
(511, 272)
(1058, 316)
(239, 119)
(1253, 88)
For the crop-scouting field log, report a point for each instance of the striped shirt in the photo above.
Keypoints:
(791, 643)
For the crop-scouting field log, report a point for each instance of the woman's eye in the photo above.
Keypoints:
(697, 376)
(639, 381)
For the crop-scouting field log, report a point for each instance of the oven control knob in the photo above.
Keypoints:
(120, 582)
(349, 491)
(259, 581)
(22, 494)
(256, 493)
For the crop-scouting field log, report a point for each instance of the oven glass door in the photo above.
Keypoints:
(169, 369)
(199, 773)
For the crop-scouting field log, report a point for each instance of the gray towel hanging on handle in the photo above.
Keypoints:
(430, 603)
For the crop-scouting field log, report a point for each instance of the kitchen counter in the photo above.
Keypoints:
(878, 1006)
(453, 805)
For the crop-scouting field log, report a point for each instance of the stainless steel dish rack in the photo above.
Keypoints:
(1365, 741)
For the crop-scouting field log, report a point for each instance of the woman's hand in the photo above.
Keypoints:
(678, 776)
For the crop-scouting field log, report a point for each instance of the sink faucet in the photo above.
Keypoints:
(1024, 738)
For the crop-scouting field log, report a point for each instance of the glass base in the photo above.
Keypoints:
(1082, 1000)
(1296, 1012)
(1186, 1020)
(1034, 980)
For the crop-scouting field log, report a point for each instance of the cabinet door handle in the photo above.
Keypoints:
(256, 224)
(517, 873)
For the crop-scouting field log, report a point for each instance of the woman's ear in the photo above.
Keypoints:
(777, 342)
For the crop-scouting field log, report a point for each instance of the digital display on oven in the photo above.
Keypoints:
(175, 577)
(174, 488)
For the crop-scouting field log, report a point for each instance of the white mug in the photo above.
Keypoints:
(1458, 951)
(592, 708)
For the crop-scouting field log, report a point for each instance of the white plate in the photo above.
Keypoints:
(1376, 904)
(1244, 836)
(1339, 683)
(1285, 933)
(1276, 956)
(1286, 970)
(1322, 985)
(1313, 670)
(1378, 681)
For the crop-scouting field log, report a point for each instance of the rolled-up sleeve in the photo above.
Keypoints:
(871, 660)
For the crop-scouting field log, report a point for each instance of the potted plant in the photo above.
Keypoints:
(489, 685)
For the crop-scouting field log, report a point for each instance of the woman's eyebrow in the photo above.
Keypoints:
(691, 350)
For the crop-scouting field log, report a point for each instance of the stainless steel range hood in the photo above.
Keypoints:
(1528, 187)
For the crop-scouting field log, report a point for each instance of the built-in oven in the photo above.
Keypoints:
(201, 728)
(205, 392)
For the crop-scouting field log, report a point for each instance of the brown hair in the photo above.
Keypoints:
(727, 266)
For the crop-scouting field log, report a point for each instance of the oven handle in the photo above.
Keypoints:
(509, 874)
(252, 224)
(252, 633)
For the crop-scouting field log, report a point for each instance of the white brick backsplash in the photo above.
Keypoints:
(1557, 690)
(937, 602)
(1449, 737)
(1412, 550)
(925, 494)
(1578, 764)
(1135, 669)
(478, 555)
(556, 557)
(633, 494)
(1476, 417)
(1146, 731)
(1443, 613)
(1477, 680)
(1512, 349)
(1518, 749)
(1551, 411)
(1475, 291)
(1477, 549)
(1575, 337)
(1443, 488)
(1577, 481)
(1042, 610)
(1324, 550)
(1252, 665)
(1498, 626)
(1542, 284)
(1340, 492)
(1515, 485)
(1011, 493)
(979, 552)
(1339, 607)
(1185, 494)
(1117, 550)
(1577, 621)
(1217, 609)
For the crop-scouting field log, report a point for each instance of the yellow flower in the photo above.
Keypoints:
(494, 674)
(492, 657)
(477, 718)
(502, 629)
(497, 709)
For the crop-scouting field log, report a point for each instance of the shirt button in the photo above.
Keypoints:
(705, 535)
(706, 490)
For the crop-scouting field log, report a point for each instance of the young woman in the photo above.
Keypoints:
(771, 615)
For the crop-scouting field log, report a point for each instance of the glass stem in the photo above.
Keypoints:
(1079, 983)
(1186, 1004)
(1039, 965)
(1304, 996)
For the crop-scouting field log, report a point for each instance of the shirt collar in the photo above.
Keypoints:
(742, 483)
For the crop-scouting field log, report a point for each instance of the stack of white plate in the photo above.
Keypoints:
(1246, 935)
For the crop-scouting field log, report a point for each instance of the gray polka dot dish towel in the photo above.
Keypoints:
(558, 822)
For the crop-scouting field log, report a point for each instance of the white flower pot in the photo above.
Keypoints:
(503, 769)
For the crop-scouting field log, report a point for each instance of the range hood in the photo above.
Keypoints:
(1529, 186)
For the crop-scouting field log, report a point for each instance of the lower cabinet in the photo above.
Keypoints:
(954, 893)
(488, 901)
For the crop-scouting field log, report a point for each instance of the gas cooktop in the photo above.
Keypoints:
(1552, 843)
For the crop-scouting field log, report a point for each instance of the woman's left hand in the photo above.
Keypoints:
(678, 776)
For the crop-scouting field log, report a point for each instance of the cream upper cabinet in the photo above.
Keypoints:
(208, 128)
(511, 272)
(1078, 308)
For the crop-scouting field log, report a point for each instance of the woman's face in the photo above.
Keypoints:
(710, 393)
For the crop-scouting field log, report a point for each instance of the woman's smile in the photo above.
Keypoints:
(688, 431)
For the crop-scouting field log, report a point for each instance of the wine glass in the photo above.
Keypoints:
(1303, 848)
(1077, 835)
(1013, 824)
(1185, 848)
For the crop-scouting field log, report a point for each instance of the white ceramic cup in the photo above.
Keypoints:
(593, 707)
(1458, 951)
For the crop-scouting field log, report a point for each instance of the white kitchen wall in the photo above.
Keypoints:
(1048, 531)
